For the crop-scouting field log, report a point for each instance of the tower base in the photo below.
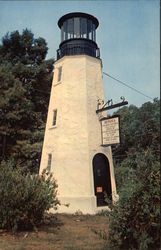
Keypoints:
(84, 205)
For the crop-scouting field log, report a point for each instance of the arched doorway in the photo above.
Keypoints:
(102, 180)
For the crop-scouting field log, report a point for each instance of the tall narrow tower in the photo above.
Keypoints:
(72, 148)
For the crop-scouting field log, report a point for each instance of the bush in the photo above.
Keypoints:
(134, 221)
(24, 198)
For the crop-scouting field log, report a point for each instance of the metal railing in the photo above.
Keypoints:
(78, 49)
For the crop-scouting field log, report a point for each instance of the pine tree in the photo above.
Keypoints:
(25, 82)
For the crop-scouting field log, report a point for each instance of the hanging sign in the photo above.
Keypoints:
(110, 131)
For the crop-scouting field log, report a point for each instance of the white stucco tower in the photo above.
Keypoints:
(72, 148)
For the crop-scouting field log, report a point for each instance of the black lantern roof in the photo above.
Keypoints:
(77, 14)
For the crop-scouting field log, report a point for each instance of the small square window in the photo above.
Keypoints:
(54, 117)
(59, 73)
(49, 162)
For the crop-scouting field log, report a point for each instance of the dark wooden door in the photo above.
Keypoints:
(102, 180)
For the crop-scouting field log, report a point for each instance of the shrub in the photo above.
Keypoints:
(134, 221)
(24, 197)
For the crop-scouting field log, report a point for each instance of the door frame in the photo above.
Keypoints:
(100, 163)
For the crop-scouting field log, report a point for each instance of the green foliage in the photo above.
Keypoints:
(24, 198)
(25, 82)
(135, 220)
(140, 129)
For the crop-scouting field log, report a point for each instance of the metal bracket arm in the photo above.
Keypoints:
(112, 106)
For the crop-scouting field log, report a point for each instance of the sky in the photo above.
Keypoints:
(128, 38)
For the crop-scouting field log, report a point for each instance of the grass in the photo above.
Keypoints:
(62, 232)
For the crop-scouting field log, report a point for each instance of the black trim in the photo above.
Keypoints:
(79, 39)
(78, 46)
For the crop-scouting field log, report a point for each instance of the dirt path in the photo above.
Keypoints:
(69, 232)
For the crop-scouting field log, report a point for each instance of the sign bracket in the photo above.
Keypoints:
(111, 105)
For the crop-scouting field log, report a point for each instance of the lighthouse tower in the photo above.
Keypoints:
(72, 148)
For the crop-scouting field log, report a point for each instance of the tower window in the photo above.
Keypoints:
(83, 28)
(59, 73)
(54, 116)
(49, 162)
(76, 27)
(70, 28)
(89, 29)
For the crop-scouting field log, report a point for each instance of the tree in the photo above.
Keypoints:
(134, 220)
(25, 82)
(140, 128)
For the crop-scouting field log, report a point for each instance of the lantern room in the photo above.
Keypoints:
(78, 35)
